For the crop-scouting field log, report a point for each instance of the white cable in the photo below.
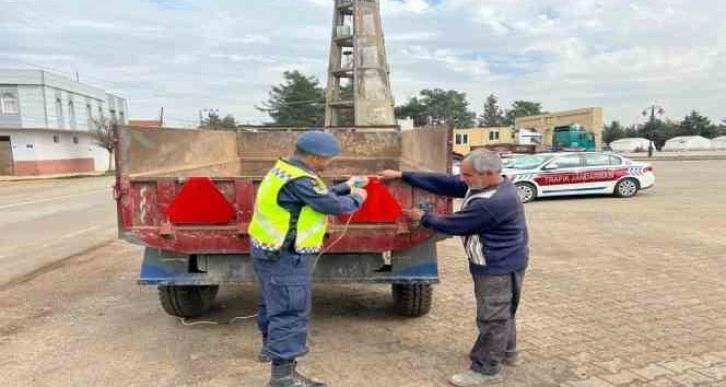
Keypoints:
(183, 321)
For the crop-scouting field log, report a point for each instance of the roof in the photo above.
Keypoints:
(149, 124)
(630, 139)
(686, 138)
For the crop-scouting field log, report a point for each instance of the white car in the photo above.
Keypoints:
(581, 173)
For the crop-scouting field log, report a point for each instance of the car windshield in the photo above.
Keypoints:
(525, 161)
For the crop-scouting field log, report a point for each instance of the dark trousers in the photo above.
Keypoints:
(284, 304)
(497, 299)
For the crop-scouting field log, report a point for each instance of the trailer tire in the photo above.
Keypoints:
(412, 300)
(187, 301)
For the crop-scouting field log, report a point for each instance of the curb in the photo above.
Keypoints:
(52, 177)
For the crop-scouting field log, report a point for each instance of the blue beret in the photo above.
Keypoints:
(318, 143)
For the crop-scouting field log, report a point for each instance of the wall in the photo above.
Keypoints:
(590, 118)
(481, 137)
(10, 120)
(35, 152)
(32, 106)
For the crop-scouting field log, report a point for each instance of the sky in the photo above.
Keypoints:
(187, 55)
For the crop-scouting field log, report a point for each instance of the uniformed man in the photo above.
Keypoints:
(287, 230)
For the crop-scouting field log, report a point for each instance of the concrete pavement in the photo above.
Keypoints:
(627, 292)
(44, 221)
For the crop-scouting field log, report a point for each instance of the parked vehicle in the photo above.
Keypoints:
(573, 138)
(581, 173)
(188, 196)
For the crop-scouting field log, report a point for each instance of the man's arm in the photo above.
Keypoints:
(322, 199)
(438, 183)
(342, 189)
(471, 220)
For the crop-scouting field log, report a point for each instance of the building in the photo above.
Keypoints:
(467, 139)
(589, 118)
(46, 122)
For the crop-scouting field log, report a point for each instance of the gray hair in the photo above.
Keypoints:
(484, 161)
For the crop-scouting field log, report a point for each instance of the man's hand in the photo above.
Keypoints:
(358, 181)
(415, 214)
(360, 193)
(390, 174)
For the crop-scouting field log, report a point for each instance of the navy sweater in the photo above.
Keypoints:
(497, 219)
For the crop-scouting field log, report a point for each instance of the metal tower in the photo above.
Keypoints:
(359, 91)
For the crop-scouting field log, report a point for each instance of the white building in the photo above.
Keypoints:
(45, 123)
(687, 143)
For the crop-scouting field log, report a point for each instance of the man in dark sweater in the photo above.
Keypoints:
(493, 229)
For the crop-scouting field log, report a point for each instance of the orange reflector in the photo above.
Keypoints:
(200, 202)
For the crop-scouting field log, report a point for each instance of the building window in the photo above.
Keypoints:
(113, 115)
(458, 139)
(59, 112)
(72, 114)
(462, 139)
(75, 140)
(89, 114)
(56, 139)
(8, 104)
(121, 118)
(494, 135)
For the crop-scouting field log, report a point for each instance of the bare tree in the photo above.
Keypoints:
(102, 132)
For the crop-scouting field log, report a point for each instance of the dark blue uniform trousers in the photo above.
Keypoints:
(284, 303)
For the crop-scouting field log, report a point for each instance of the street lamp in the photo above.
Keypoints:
(652, 109)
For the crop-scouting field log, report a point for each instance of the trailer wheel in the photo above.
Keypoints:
(187, 301)
(412, 300)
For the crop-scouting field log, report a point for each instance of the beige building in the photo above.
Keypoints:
(466, 139)
(589, 118)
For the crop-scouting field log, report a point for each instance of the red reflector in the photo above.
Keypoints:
(200, 202)
(380, 207)
(649, 169)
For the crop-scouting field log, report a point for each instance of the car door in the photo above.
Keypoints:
(560, 176)
(601, 172)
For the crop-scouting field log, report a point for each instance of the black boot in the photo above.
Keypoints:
(285, 375)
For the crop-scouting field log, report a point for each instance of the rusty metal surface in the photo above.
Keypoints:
(427, 149)
(177, 152)
(363, 151)
(143, 199)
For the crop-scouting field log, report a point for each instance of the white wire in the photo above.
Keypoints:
(183, 321)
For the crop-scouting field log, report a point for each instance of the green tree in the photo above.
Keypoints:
(298, 101)
(493, 115)
(213, 122)
(694, 124)
(613, 132)
(102, 131)
(658, 131)
(522, 109)
(438, 107)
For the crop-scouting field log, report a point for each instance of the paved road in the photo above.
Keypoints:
(42, 222)
(619, 293)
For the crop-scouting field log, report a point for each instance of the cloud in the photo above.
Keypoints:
(187, 55)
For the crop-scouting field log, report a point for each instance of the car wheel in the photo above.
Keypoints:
(527, 192)
(627, 188)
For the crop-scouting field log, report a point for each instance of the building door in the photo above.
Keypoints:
(6, 156)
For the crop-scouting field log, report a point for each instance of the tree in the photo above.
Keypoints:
(613, 132)
(658, 131)
(695, 124)
(438, 107)
(298, 101)
(103, 136)
(213, 122)
(523, 109)
(493, 115)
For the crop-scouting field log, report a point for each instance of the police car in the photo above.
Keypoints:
(581, 173)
